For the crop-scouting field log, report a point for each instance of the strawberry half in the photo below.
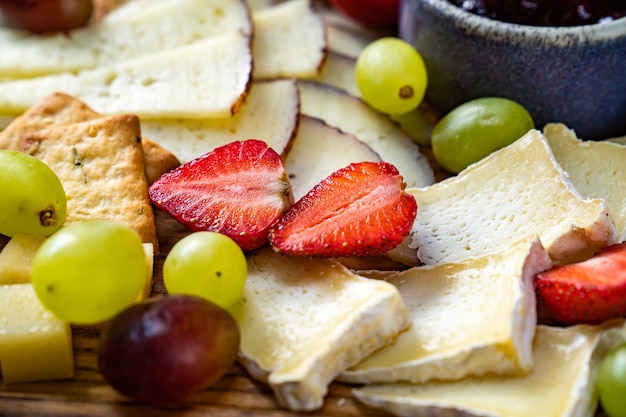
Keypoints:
(239, 189)
(359, 210)
(591, 291)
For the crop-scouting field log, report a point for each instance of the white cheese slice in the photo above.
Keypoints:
(178, 82)
(517, 191)
(137, 28)
(289, 41)
(473, 317)
(596, 168)
(350, 114)
(561, 384)
(34, 344)
(318, 150)
(270, 114)
(304, 321)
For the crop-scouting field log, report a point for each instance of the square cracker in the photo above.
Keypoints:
(101, 166)
(61, 109)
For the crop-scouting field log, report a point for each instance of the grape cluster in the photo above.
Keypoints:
(547, 12)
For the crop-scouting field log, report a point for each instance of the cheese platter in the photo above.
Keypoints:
(326, 331)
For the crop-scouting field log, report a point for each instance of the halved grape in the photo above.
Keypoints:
(32, 200)
(207, 264)
(477, 128)
(391, 76)
(611, 383)
(42, 16)
(89, 271)
(165, 349)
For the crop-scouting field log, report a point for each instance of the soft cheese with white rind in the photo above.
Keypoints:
(304, 321)
(561, 384)
(596, 168)
(317, 151)
(338, 71)
(270, 114)
(350, 114)
(517, 191)
(473, 317)
(179, 82)
(136, 28)
(34, 344)
(289, 41)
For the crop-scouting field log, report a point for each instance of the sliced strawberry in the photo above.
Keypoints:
(591, 291)
(359, 210)
(239, 189)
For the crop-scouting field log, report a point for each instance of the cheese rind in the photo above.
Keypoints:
(596, 168)
(34, 344)
(473, 317)
(304, 321)
(519, 190)
(561, 384)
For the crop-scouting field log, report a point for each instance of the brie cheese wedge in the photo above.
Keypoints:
(561, 384)
(473, 317)
(519, 190)
(596, 168)
(304, 321)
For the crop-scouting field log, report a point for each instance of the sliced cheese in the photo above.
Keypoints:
(350, 114)
(34, 344)
(175, 83)
(338, 71)
(596, 168)
(16, 258)
(318, 150)
(289, 41)
(517, 191)
(137, 28)
(270, 114)
(561, 384)
(304, 321)
(473, 317)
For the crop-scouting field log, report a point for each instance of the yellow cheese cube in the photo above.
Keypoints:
(34, 344)
(16, 258)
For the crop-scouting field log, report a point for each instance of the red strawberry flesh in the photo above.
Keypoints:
(239, 189)
(591, 291)
(360, 210)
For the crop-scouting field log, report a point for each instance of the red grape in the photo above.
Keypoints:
(43, 16)
(165, 349)
(379, 14)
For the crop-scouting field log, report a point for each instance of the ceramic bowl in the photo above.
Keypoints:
(573, 75)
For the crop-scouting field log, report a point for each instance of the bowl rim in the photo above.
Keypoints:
(485, 25)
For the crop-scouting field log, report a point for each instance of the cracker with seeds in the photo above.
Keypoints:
(101, 166)
(62, 109)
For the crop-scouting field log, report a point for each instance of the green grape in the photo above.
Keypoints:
(89, 271)
(391, 76)
(611, 383)
(206, 264)
(32, 200)
(477, 128)
(416, 125)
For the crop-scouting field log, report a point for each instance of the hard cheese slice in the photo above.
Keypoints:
(596, 168)
(270, 114)
(517, 191)
(472, 317)
(34, 344)
(561, 385)
(179, 82)
(137, 28)
(304, 321)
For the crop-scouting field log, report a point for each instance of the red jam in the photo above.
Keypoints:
(547, 12)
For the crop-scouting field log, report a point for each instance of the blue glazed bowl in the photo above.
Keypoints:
(573, 75)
